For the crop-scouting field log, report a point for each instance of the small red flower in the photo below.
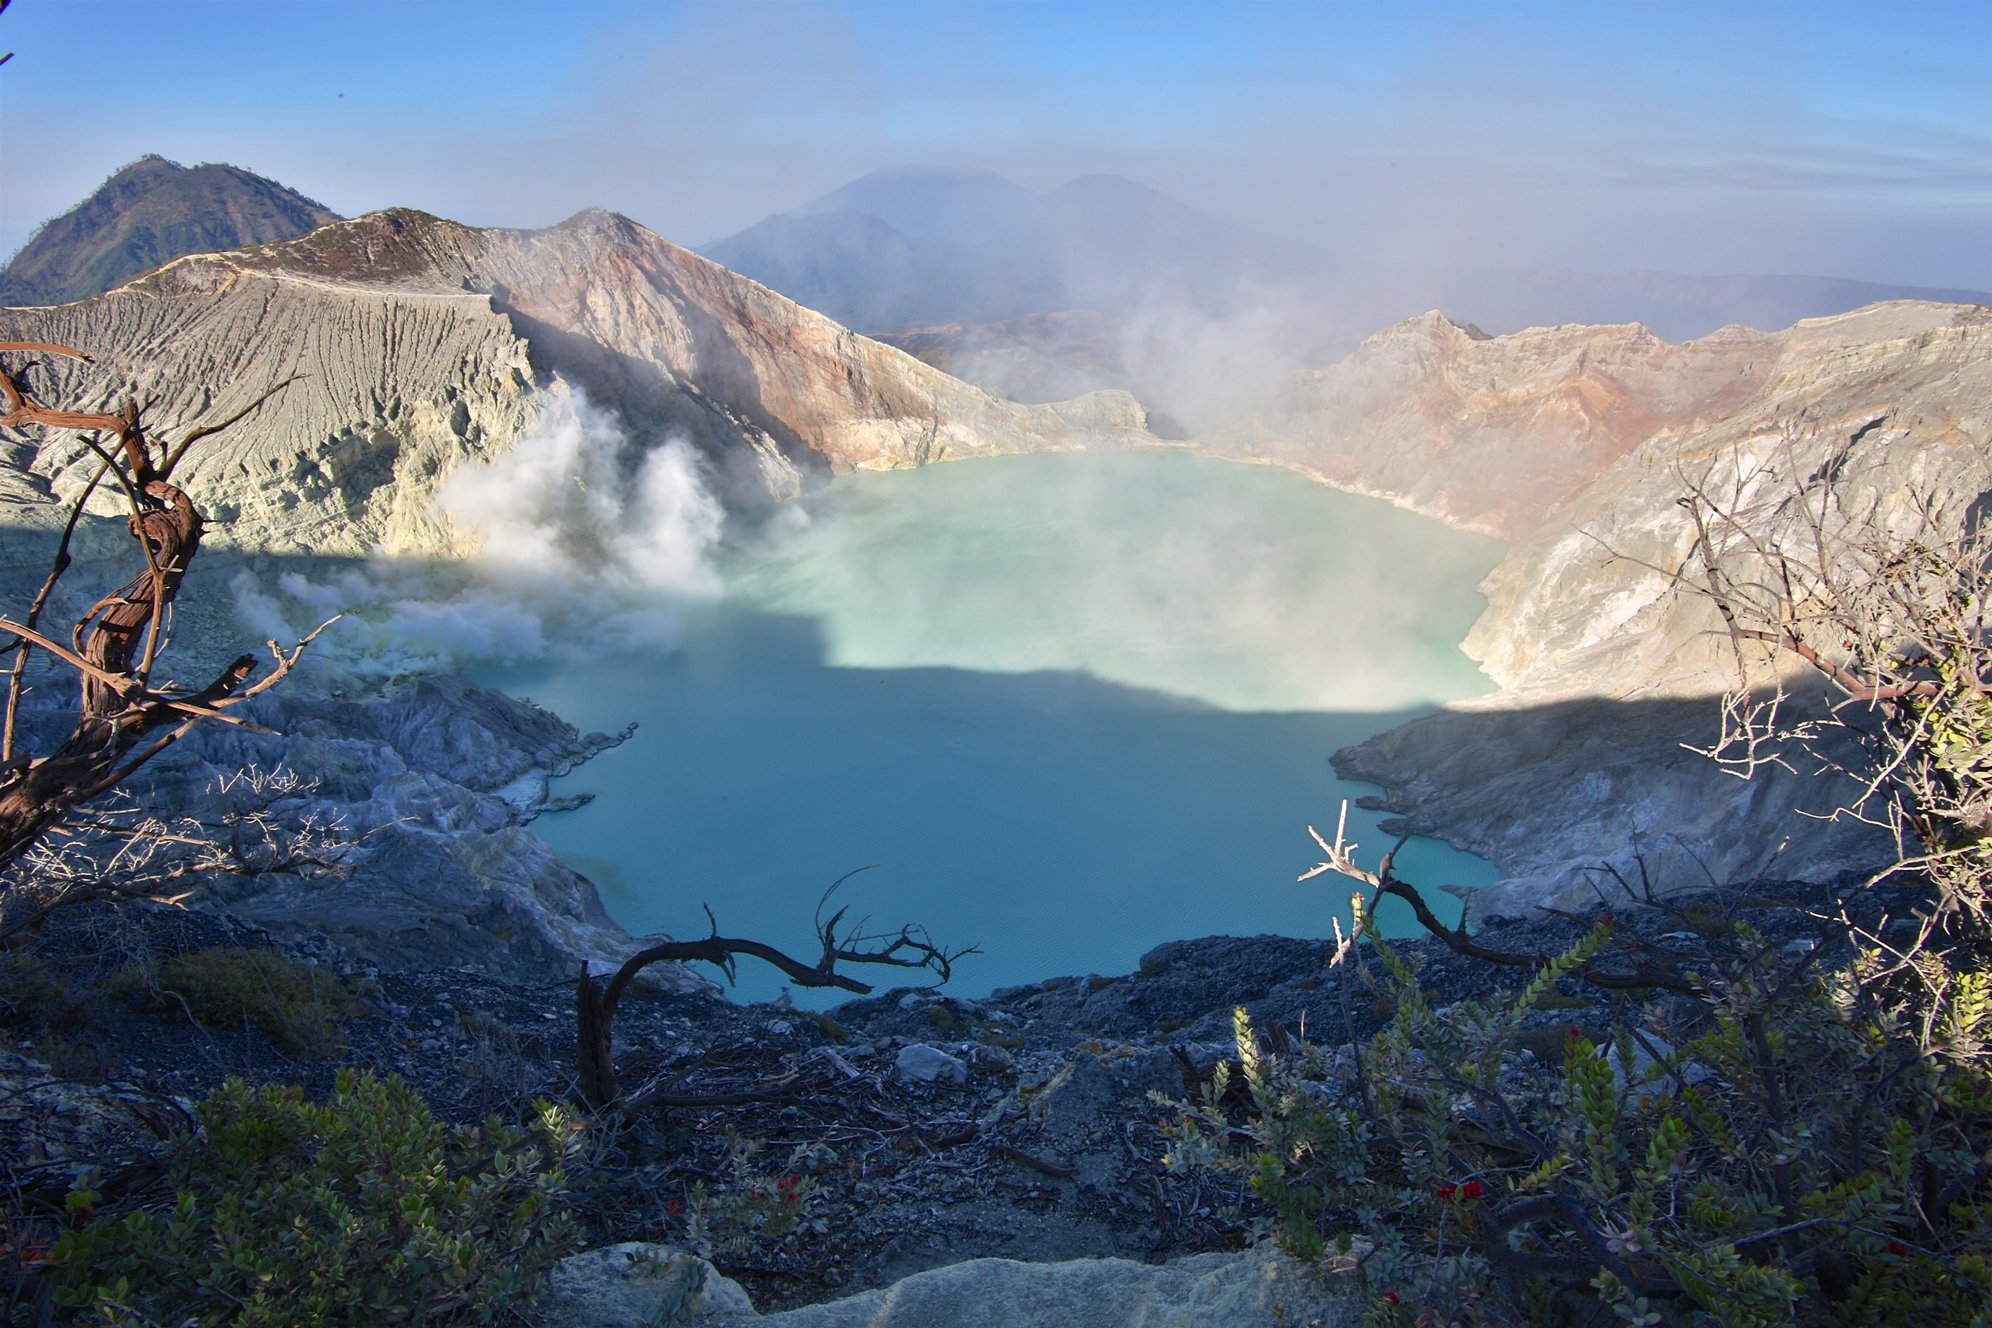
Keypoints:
(1391, 1296)
(1573, 1032)
(1611, 919)
(675, 1208)
(1445, 1191)
(1471, 1191)
(1897, 1248)
(789, 1188)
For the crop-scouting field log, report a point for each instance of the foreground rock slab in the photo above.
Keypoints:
(636, 1283)
(633, 1284)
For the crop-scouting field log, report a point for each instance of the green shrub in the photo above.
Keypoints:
(297, 1007)
(363, 1210)
(1813, 1148)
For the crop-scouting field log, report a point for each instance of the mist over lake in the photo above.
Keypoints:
(1071, 706)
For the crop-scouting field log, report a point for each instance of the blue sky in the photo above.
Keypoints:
(1845, 140)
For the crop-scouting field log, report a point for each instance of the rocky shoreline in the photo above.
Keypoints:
(933, 1129)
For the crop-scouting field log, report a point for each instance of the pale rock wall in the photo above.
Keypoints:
(1917, 378)
(397, 389)
(1493, 434)
(1608, 665)
(627, 1285)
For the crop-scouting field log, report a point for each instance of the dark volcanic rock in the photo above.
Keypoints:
(434, 785)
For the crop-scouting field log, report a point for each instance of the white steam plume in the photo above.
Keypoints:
(574, 543)
(561, 501)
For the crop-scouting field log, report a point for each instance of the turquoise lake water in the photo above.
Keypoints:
(1071, 706)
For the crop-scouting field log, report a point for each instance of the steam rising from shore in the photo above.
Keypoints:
(1234, 587)
(583, 539)
(562, 506)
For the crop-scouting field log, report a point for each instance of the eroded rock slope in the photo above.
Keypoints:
(1608, 665)
(422, 345)
(1494, 433)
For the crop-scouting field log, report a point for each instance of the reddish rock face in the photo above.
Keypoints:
(1609, 661)
(1496, 433)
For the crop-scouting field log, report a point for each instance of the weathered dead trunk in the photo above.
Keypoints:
(112, 719)
(596, 1083)
(114, 645)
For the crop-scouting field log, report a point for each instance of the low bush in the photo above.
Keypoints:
(361, 1210)
(1800, 1143)
(296, 1006)
(754, 1206)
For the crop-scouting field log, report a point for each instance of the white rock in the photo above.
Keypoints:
(634, 1284)
(1250, 1290)
(920, 1063)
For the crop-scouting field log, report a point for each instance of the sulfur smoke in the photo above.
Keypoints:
(583, 538)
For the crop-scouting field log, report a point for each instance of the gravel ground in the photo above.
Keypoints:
(1036, 1140)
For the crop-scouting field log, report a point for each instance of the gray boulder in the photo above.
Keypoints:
(622, 1286)
(628, 1286)
(922, 1064)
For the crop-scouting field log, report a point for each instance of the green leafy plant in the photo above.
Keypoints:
(361, 1210)
(1790, 1148)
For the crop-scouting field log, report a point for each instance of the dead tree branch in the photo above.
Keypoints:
(1384, 881)
(595, 1003)
(1889, 609)
(123, 719)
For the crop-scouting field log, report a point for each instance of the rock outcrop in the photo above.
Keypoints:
(628, 1285)
(434, 786)
(1608, 665)
(421, 345)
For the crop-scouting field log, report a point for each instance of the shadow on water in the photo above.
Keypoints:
(1061, 823)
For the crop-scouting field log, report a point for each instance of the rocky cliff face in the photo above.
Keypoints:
(1608, 665)
(1494, 433)
(422, 345)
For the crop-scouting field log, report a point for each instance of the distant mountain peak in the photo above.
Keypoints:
(150, 212)
(1107, 182)
(898, 174)
(924, 246)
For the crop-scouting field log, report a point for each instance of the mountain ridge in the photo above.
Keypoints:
(993, 249)
(425, 344)
(148, 213)
(982, 276)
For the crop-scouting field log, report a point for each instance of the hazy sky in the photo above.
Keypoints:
(1843, 140)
